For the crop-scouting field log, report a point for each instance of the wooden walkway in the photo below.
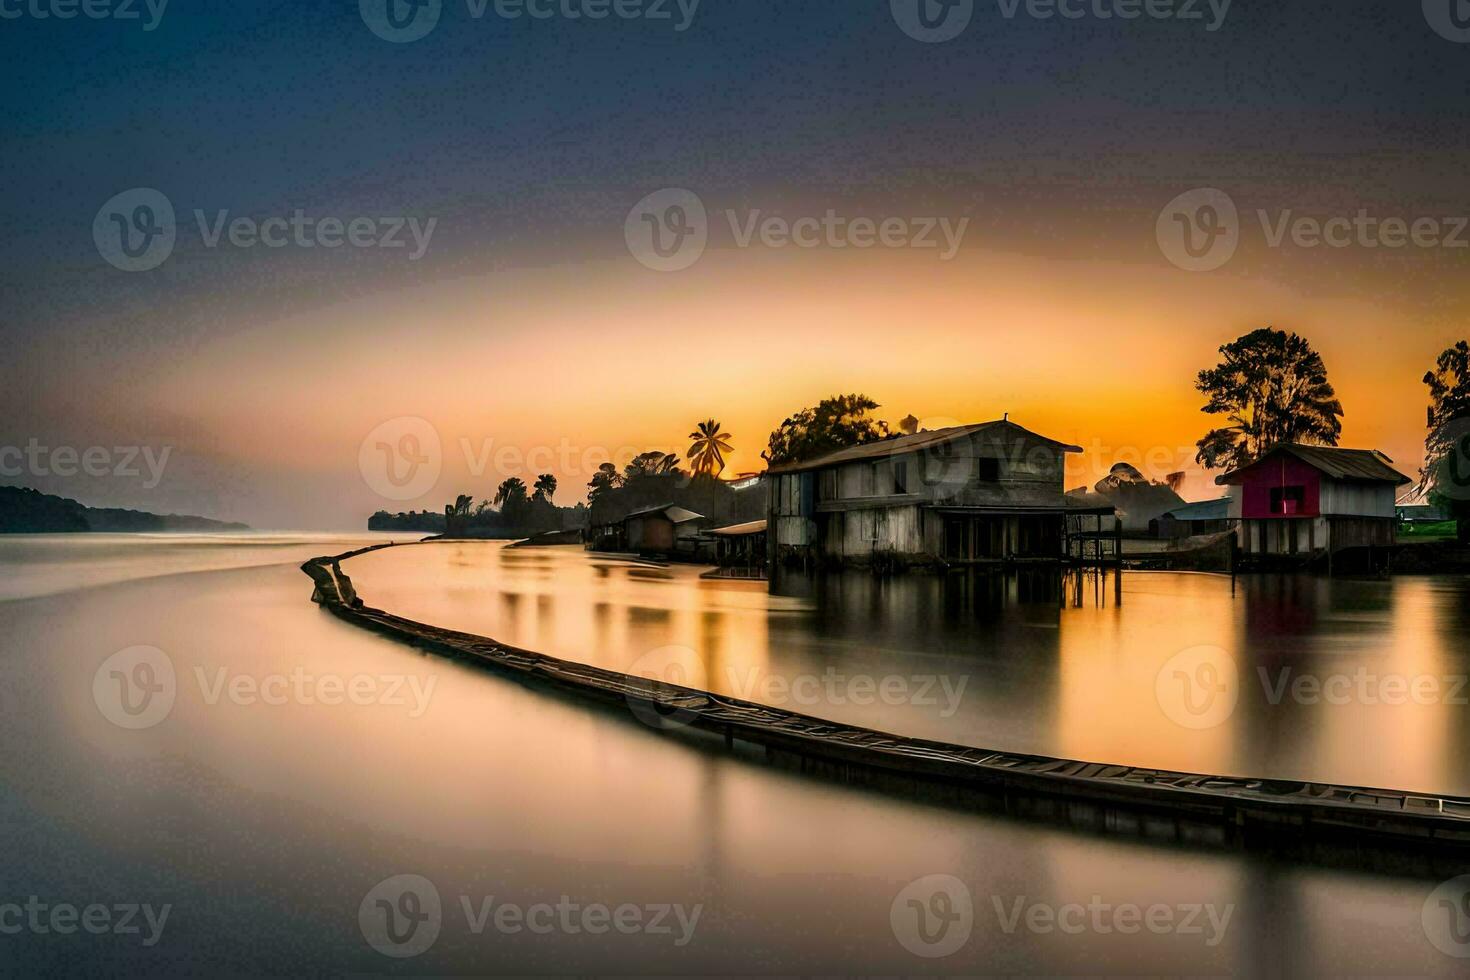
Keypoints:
(1278, 808)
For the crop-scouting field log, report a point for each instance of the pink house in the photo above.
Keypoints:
(1314, 500)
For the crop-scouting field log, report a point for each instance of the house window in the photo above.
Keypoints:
(987, 469)
(870, 479)
(828, 486)
(900, 476)
(1288, 500)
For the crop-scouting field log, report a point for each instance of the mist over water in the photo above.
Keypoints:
(265, 825)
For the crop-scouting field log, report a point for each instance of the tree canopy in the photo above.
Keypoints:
(835, 423)
(1273, 388)
(1446, 471)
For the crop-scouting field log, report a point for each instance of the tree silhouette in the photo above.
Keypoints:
(511, 489)
(1273, 388)
(836, 423)
(606, 478)
(652, 463)
(1446, 473)
(708, 448)
(545, 486)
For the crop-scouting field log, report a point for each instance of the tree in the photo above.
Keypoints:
(708, 448)
(1446, 473)
(511, 489)
(836, 423)
(653, 463)
(1273, 388)
(606, 478)
(545, 486)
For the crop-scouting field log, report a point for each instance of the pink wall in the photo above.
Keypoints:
(1257, 483)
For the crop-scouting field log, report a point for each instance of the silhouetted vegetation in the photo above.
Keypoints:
(1446, 471)
(26, 511)
(708, 447)
(1273, 388)
(836, 423)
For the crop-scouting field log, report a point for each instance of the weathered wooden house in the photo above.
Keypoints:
(665, 531)
(1314, 500)
(972, 493)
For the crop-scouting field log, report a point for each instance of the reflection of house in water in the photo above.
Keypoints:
(1314, 500)
(970, 493)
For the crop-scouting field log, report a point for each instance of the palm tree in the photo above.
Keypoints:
(513, 488)
(1273, 387)
(545, 486)
(708, 449)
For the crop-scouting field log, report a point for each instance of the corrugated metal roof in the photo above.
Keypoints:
(1367, 465)
(675, 513)
(740, 530)
(1203, 510)
(898, 445)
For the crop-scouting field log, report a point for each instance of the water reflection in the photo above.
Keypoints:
(1029, 660)
(265, 825)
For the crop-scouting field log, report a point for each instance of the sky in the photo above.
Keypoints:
(502, 298)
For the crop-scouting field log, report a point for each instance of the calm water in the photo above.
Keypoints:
(265, 823)
(1356, 682)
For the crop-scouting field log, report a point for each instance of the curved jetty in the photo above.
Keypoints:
(1264, 809)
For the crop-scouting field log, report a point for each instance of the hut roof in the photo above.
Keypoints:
(741, 530)
(897, 445)
(675, 513)
(1360, 465)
